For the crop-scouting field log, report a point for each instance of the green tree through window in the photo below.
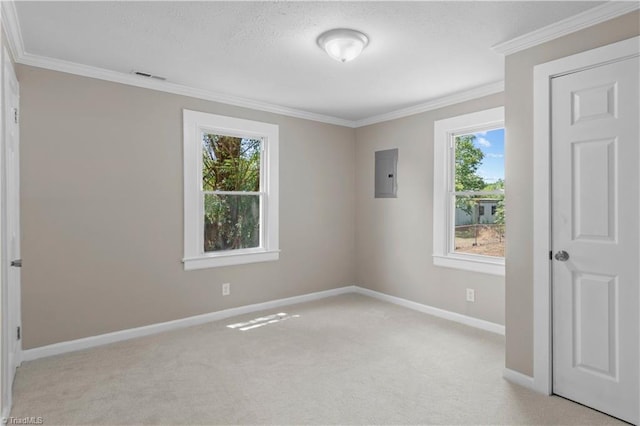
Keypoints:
(479, 201)
(468, 160)
(231, 187)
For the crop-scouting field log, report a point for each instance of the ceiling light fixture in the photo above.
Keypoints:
(343, 44)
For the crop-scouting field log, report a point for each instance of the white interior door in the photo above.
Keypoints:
(595, 223)
(11, 228)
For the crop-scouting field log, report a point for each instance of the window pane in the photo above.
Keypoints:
(230, 163)
(231, 222)
(479, 161)
(479, 219)
(479, 225)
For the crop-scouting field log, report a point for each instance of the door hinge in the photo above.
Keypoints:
(15, 115)
(18, 333)
(550, 255)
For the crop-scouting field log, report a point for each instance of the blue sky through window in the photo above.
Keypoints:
(492, 145)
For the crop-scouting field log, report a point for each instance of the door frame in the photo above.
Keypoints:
(10, 345)
(4, 409)
(542, 75)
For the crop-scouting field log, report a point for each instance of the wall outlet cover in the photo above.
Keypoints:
(471, 295)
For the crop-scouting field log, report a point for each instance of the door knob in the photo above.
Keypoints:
(562, 256)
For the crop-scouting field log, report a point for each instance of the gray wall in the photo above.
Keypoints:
(102, 210)
(394, 240)
(519, 172)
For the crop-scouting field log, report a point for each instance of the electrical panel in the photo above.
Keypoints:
(386, 171)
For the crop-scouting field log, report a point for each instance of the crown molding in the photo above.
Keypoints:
(590, 17)
(168, 87)
(11, 25)
(455, 98)
(178, 89)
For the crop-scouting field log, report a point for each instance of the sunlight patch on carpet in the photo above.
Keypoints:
(259, 322)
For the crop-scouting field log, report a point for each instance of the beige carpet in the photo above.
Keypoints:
(343, 360)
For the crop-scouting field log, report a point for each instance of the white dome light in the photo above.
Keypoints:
(343, 44)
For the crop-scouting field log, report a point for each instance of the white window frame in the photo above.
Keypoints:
(195, 123)
(444, 183)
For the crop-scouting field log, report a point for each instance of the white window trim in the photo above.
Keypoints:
(444, 131)
(194, 255)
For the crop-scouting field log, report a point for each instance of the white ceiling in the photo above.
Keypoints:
(267, 52)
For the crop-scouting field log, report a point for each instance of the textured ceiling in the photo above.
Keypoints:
(266, 51)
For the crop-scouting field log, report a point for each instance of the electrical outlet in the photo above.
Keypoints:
(226, 289)
(471, 295)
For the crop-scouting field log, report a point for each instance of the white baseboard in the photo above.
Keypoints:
(519, 379)
(117, 336)
(436, 312)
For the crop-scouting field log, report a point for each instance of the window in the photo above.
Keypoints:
(468, 183)
(230, 191)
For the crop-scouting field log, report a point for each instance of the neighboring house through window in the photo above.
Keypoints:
(230, 191)
(468, 184)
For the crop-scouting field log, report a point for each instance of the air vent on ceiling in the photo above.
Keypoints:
(147, 75)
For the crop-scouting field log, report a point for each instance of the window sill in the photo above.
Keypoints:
(475, 263)
(229, 259)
